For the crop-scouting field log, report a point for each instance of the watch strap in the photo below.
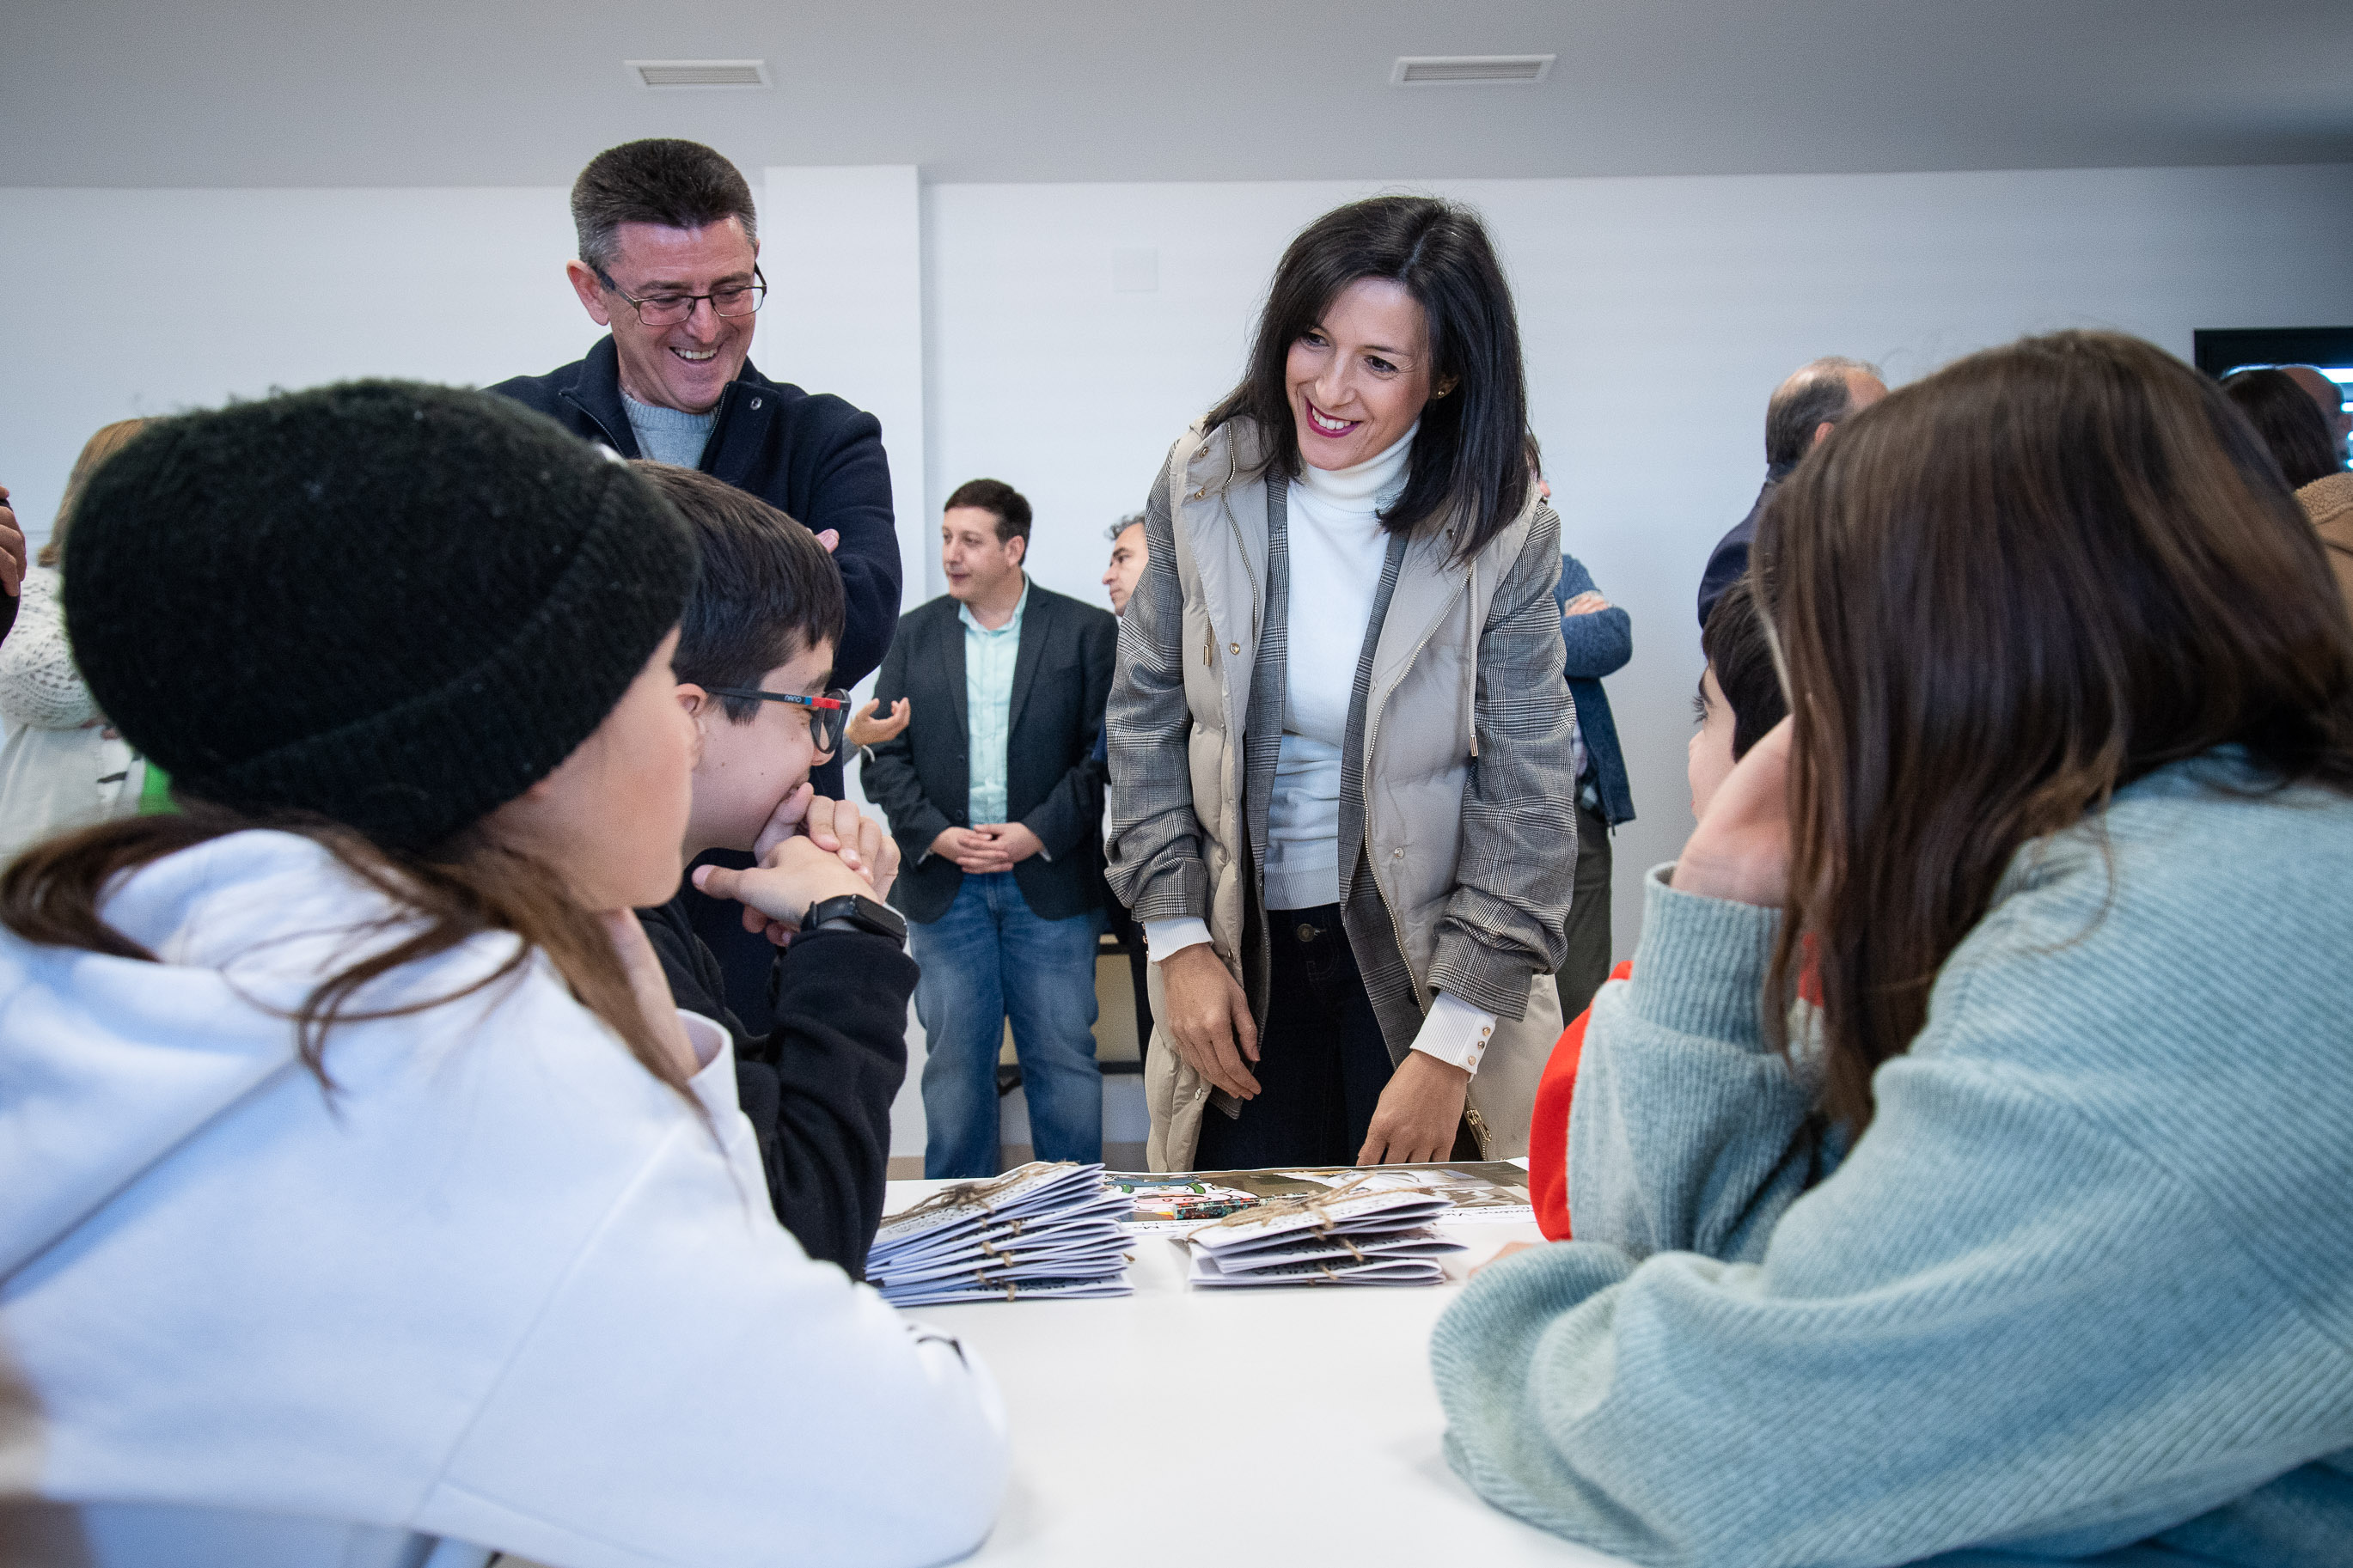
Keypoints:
(864, 914)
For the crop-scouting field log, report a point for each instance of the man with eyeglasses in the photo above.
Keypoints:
(668, 261)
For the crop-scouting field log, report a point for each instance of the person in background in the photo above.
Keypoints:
(1739, 699)
(995, 796)
(668, 263)
(1803, 409)
(1345, 817)
(1128, 552)
(2029, 1243)
(2309, 453)
(2289, 422)
(369, 1198)
(755, 649)
(63, 764)
(12, 563)
(2328, 396)
(1598, 638)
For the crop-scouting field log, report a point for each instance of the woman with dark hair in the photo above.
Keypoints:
(63, 764)
(2290, 423)
(1343, 753)
(2034, 1236)
(2297, 433)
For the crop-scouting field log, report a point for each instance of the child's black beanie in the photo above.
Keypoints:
(394, 606)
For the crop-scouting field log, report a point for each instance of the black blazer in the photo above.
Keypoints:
(1053, 783)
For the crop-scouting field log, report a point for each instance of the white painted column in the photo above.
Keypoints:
(843, 251)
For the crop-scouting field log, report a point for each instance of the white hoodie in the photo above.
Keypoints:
(501, 1288)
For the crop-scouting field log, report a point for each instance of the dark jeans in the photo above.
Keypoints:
(1588, 963)
(1322, 1061)
(988, 959)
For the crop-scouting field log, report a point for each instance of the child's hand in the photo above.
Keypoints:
(858, 839)
(1740, 850)
(776, 892)
(784, 821)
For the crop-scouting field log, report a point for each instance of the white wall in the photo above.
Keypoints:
(1658, 315)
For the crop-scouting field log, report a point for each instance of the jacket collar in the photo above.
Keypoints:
(597, 392)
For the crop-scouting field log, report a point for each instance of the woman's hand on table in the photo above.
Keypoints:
(1415, 1122)
(1740, 850)
(1208, 1020)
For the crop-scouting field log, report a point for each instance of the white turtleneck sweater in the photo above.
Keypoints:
(1337, 549)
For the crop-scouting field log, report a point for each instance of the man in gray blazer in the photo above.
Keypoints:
(995, 794)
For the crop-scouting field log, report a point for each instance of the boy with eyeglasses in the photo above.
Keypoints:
(754, 656)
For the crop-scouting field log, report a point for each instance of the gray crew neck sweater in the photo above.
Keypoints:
(668, 435)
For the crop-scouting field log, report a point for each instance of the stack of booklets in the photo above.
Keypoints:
(1350, 1235)
(1036, 1232)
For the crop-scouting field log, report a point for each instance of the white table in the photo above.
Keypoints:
(1303, 1418)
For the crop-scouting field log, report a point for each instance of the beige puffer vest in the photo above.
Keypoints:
(1426, 662)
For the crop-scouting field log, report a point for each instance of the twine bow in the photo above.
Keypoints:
(978, 1194)
(1315, 1203)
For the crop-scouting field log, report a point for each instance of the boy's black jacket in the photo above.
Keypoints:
(818, 1089)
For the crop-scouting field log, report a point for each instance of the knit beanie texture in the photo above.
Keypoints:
(392, 604)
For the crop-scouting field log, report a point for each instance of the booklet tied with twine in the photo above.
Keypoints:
(1039, 1231)
(1364, 1231)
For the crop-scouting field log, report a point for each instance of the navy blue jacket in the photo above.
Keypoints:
(810, 454)
(1729, 561)
(1598, 645)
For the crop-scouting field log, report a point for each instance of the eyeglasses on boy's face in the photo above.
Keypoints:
(828, 715)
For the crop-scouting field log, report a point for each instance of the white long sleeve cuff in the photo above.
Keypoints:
(1455, 1032)
(1174, 934)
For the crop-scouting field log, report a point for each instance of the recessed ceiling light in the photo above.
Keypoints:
(1471, 71)
(698, 73)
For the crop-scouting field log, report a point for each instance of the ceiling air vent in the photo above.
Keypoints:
(1471, 71)
(698, 73)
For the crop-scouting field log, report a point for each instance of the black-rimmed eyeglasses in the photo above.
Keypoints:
(828, 715)
(668, 310)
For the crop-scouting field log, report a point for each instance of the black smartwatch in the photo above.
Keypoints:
(859, 913)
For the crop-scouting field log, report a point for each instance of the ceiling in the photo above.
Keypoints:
(500, 92)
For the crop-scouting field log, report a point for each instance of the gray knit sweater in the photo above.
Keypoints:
(2085, 1282)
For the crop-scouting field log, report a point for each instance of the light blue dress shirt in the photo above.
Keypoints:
(989, 659)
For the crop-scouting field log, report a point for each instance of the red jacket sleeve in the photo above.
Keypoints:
(1548, 1127)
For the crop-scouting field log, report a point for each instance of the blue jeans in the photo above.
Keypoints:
(983, 961)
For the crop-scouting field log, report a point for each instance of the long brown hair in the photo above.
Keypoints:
(51, 894)
(2001, 595)
(109, 439)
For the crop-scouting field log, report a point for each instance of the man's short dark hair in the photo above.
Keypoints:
(765, 591)
(1133, 520)
(1734, 641)
(664, 181)
(1000, 500)
(1816, 394)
